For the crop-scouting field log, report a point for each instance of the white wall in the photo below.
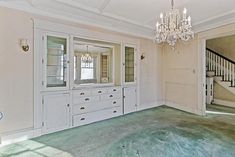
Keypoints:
(180, 76)
(223, 45)
(16, 82)
(16, 70)
(151, 73)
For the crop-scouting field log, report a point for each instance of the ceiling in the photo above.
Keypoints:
(135, 17)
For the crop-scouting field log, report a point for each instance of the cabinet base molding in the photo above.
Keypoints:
(19, 135)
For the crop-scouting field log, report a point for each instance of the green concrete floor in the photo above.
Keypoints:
(159, 132)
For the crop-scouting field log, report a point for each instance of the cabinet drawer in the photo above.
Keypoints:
(96, 106)
(110, 96)
(99, 91)
(81, 93)
(96, 116)
(88, 99)
(114, 90)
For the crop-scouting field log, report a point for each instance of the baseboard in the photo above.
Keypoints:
(18, 136)
(224, 103)
(150, 105)
(182, 108)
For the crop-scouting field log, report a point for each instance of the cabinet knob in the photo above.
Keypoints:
(99, 91)
(114, 111)
(81, 93)
(114, 90)
(111, 96)
(114, 102)
(87, 99)
(82, 118)
(68, 105)
(82, 108)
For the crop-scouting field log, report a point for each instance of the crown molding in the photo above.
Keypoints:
(114, 25)
(214, 22)
(97, 18)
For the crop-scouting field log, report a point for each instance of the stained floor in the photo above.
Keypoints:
(159, 132)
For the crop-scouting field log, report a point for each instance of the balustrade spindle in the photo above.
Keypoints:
(230, 71)
(210, 61)
(227, 71)
(209, 54)
(224, 78)
(232, 75)
(217, 66)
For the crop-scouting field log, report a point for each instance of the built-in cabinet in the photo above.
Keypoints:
(55, 61)
(56, 112)
(81, 81)
(90, 105)
(129, 58)
(209, 90)
(129, 99)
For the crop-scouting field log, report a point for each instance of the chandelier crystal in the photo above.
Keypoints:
(86, 58)
(173, 27)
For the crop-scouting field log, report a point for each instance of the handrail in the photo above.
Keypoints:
(221, 55)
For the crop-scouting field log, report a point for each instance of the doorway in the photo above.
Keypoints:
(219, 75)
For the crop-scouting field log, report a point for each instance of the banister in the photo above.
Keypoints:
(212, 51)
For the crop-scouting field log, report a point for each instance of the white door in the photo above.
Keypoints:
(130, 102)
(56, 112)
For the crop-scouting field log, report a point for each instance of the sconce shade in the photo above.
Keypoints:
(24, 45)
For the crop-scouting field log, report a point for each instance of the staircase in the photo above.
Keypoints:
(221, 68)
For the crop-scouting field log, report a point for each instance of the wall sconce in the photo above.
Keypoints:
(24, 45)
(142, 56)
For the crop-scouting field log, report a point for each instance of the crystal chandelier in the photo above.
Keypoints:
(173, 27)
(86, 58)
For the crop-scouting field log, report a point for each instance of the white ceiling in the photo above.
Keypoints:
(136, 17)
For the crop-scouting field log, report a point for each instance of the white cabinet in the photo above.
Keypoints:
(56, 110)
(129, 63)
(129, 99)
(209, 90)
(55, 61)
(95, 104)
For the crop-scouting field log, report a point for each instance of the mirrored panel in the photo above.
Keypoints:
(56, 61)
(93, 63)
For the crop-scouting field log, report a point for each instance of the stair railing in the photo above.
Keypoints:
(221, 66)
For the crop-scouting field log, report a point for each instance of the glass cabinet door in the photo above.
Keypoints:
(56, 61)
(129, 64)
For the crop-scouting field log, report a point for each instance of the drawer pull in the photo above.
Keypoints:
(111, 96)
(82, 118)
(82, 108)
(114, 102)
(114, 111)
(99, 91)
(87, 99)
(114, 90)
(82, 93)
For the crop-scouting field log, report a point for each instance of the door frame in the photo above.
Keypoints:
(223, 31)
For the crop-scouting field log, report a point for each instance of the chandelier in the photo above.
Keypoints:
(86, 58)
(173, 27)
